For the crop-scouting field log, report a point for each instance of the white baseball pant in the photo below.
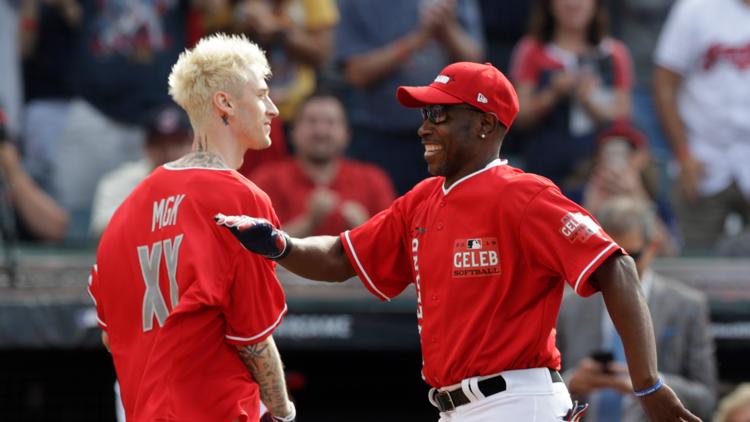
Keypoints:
(530, 395)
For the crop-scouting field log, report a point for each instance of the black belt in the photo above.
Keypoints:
(449, 400)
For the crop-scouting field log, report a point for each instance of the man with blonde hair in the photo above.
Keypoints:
(189, 323)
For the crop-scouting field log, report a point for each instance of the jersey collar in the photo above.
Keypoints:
(494, 163)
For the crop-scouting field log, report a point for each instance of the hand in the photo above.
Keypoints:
(354, 213)
(664, 406)
(621, 380)
(257, 235)
(256, 17)
(691, 172)
(435, 14)
(624, 181)
(587, 84)
(563, 83)
(589, 375)
(321, 203)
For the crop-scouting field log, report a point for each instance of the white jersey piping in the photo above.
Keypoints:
(262, 333)
(494, 163)
(593, 261)
(359, 264)
(168, 167)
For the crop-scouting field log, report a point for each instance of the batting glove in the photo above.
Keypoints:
(257, 235)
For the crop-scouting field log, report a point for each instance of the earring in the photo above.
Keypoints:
(225, 119)
(482, 136)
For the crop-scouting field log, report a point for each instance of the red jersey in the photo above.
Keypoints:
(489, 258)
(533, 62)
(355, 181)
(174, 300)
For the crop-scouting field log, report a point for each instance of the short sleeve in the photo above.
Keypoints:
(256, 304)
(522, 64)
(93, 289)
(379, 253)
(676, 49)
(623, 66)
(560, 235)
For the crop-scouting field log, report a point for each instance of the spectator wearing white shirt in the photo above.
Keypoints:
(702, 90)
(168, 137)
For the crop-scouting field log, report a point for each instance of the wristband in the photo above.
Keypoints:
(290, 417)
(287, 247)
(646, 391)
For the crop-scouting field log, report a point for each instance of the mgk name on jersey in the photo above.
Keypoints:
(475, 257)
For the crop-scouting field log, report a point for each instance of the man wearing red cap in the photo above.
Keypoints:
(489, 249)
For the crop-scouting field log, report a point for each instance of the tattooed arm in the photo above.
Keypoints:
(264, 362)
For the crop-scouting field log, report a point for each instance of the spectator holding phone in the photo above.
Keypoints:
(572, 79)
(593, 359)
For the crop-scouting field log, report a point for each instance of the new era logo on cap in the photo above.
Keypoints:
(481, 98)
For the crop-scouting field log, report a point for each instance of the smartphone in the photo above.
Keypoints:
(604, 357)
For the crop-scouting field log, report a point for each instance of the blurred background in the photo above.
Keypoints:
(644, 99)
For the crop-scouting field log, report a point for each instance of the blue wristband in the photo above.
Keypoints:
(646, 391)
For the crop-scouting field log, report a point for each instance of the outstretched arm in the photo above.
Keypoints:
(264, 362)
(319, 258)
(618, 281)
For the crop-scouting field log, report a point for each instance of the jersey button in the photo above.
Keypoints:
(439, 226)
(435, 297)
(442, 204)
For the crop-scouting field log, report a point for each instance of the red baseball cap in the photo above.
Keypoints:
(625, 130)
(480, 85)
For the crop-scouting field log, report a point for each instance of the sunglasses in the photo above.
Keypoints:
(438, 113)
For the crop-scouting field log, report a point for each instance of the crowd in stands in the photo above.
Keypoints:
(644, 99)
(80, 81)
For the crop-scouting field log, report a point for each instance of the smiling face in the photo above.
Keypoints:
(451, 145)
(253, 112)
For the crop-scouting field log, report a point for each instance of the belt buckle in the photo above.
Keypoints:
(444, 401)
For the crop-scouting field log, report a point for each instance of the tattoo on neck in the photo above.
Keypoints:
(202, 159)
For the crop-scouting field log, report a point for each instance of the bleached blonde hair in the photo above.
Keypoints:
(219, 62)
(737, 399)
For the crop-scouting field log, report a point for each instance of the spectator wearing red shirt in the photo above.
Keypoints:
(321, 191)
(572, 81)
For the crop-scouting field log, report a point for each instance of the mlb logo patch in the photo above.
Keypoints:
(482, 99)
(474, 244)
(478, 257)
